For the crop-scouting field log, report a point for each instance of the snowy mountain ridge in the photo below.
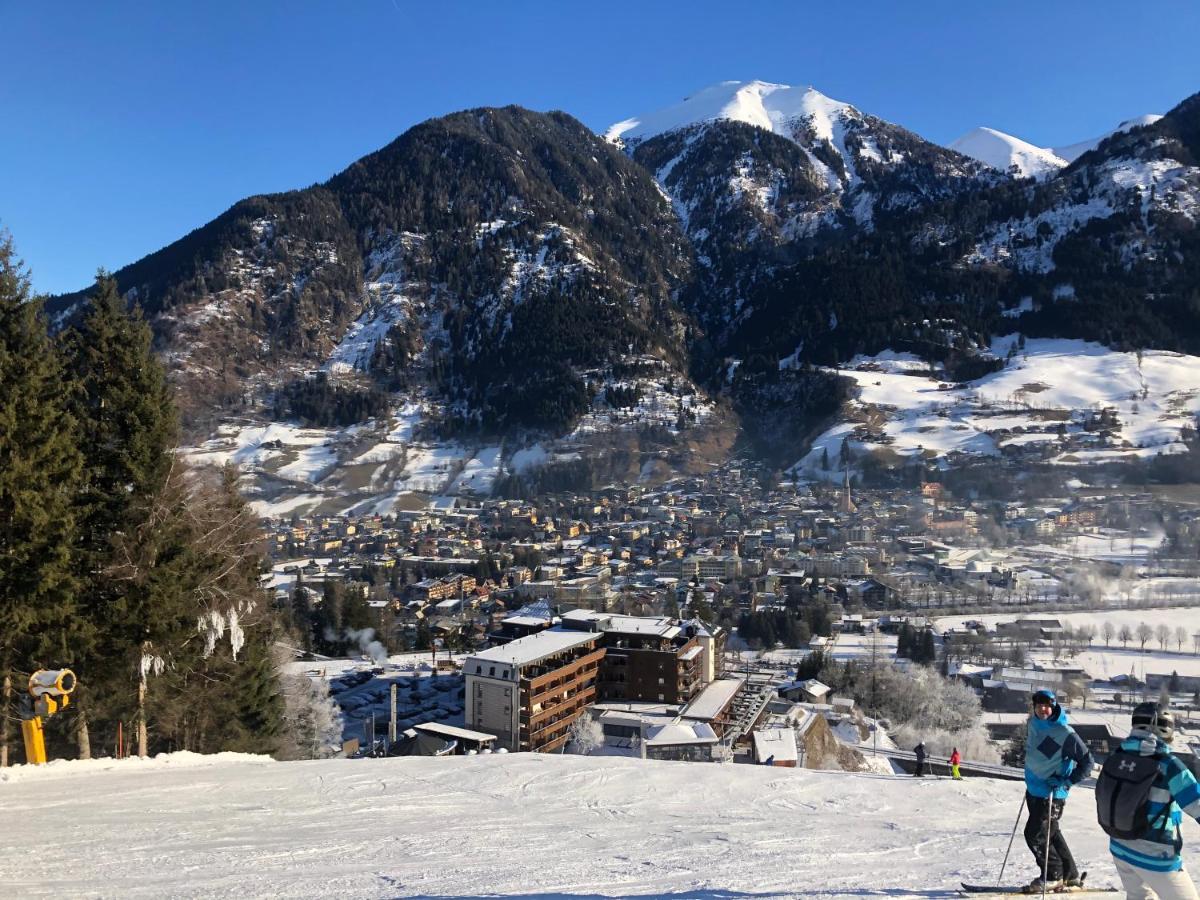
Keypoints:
(773, 107)
(1010, 154)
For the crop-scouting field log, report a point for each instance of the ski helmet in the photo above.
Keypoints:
(1156, 719)
(1045, 696)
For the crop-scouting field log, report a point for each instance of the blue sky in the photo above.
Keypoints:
(128, 124)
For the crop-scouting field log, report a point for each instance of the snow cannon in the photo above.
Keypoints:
(52, 682)
(49, 692)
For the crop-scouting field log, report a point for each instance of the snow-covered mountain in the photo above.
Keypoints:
(1072, 152)
(500, 290)
(514, 825)
(1006, 153)
(778, 108)
(759, 172)
(1022, 159)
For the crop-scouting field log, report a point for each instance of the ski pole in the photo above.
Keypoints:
(1046, 861)
(1003, 865)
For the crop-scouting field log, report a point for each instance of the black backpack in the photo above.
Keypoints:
(1123, 794)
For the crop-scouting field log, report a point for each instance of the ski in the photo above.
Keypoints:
(1017, 889)
(1006, 890)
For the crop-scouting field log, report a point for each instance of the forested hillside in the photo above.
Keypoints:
(492, 262)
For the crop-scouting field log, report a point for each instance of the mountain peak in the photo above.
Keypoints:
(760, 103)
(1007, 153)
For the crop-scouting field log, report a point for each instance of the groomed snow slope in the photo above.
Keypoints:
(508, 825)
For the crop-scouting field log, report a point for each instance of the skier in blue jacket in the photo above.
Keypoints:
(1151, 866)
(1056, 759)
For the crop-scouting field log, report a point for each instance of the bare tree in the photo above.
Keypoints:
(1109, 631)
(1087, 634)
(1144, 633)
(1125, 635)
(1163, 634)
(1181, 637)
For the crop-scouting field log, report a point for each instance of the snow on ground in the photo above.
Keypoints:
(254, 445)
(310, 464)
(1105, 662)
(478, 473)
(519, 825)
(862, 647)
(1042, 396)
(428, 467)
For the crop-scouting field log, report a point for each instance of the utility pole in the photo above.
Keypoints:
(392, 720)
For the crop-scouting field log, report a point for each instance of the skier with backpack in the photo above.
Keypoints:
(1056, 759)
(1141, 795)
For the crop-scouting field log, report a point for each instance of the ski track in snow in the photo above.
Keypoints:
(521, 825)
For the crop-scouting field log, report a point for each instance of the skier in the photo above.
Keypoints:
(1055, 761)
(955, 759)
(919, 750)
(1150, 865)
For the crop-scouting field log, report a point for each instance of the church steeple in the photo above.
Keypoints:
(847, 504)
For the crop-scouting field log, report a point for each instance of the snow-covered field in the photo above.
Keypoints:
(1042, 397)
(519, 825)
(1104, 662)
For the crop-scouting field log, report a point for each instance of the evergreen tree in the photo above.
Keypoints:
(39, 472)
(127, 429)
(928, 650)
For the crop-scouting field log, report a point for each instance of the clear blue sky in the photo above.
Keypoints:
(127, 124)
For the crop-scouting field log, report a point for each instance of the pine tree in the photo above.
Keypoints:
(39, 472)
(127, 430)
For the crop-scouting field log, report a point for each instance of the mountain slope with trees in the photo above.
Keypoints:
(493, 261)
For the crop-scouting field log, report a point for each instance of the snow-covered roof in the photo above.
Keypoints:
(526, 650)
(678, 733)
(777, 742)
(714, 698)
(525, 620)
(452, 731)
(658, 626)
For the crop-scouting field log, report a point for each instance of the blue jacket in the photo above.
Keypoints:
(1055, 757)
(1175, 787)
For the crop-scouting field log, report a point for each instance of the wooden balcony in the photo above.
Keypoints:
(539, 677)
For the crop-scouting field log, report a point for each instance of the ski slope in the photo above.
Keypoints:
(520, 825)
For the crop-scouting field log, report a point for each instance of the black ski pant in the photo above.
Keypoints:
(1060, 863)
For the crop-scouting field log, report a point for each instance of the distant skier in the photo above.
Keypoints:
(1056, 759)
(919, 750)
(955, 760)
(1142, 801)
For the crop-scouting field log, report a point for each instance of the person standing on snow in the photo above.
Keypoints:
(955, 760)
(919, 750)
(1150, 865)
(1056, 759)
